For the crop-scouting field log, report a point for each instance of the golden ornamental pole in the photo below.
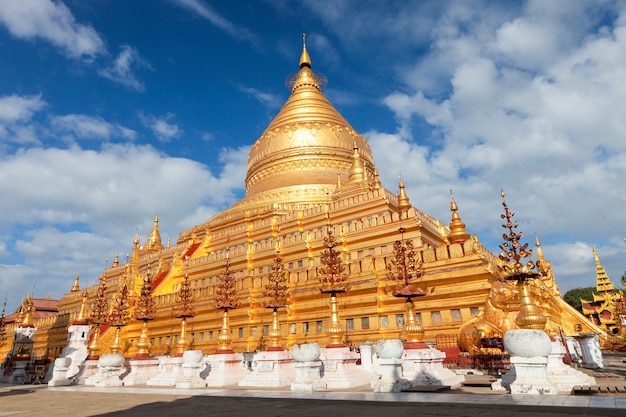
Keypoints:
(529, 316)
(116, 347)
(333, 280)
(225, 338)
(184, 309)
(119, 315)
(226, 299)
(97, 317)
(276, 290)
(145, 311)
(413, 330)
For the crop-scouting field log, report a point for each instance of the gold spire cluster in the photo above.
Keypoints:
(331, 273)
(513, 253)
(145, 307)
(403, 267)
(184, 307)
(119, 314)
(276, 288)
(154, 239)
(225, 290)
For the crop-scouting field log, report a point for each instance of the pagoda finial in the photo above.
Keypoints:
(403, 200)
(457, 234)
(116, 261)
(28, 315)
(82, 314)
(539, 251)
(75, 287)
(154, 240)
(357, 170)
(305, 59)
(376, 185)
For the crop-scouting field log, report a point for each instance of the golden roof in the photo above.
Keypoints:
(299, 157)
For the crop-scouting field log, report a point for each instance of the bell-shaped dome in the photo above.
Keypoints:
(305, 148)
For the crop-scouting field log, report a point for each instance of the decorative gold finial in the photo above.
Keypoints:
(305, 59)
(457, 234)
(512, 256)
(357, 170)
(376, 185)
(403, 200)
(540, 257)
(184, 309)
(276, 290)
(154, 239)
(75, 287)
(116, 261)
(82, 314)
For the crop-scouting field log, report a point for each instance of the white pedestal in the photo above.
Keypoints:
(18, 376)
(167, 371)
(564, 376)
(88, 369)
(59, 373)
(425, 367)
(191, 368)
(308, 376)
(529, 350)
(340, 370)
(391, 380)
(591, 353)
(110, 370)
(225, 369)
(367, 357)
(270, 369)
(141, 370)
(529, 376)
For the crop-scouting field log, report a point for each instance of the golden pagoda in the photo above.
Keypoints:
(601, 310)
(308, 162)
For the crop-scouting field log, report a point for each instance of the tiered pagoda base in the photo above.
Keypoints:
(191, 369)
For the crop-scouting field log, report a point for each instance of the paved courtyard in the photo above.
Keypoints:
(142, 401)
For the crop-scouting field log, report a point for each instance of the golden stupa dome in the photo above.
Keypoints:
(303, 150)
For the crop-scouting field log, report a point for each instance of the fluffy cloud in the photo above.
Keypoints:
(121, 70)
(52, 21)
(162, 127)
(89, 127)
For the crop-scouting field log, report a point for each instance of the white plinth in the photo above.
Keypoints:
(191, 368)
(88, 369)
(19, 373)
(225, 369)
(308, 376)
(270, 369)
(59, 374)
(425, 367)
(340, 370)
(529, 350)
(167, 372)
(564, 376)
(141, 370)
(110, 369)
(591, 353)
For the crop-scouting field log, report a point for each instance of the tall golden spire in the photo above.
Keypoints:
(403, 200)
(540, 257)
(457, 234)
(116, 261)
(82, 314)
(154, 240)
(75, 287)
(603, 282)
(305, 59)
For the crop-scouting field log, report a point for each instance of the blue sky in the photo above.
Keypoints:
(113, 110)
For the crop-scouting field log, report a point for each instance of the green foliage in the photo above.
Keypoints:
(573, 296)
(624, 279)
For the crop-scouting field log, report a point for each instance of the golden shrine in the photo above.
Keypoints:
(601, 310)
(313, 197)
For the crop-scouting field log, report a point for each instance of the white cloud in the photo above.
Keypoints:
(161, 127)
(271, 101)
(52, 21)
(89, 127)
(205, 11)
(121, 69)
(16, 108)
